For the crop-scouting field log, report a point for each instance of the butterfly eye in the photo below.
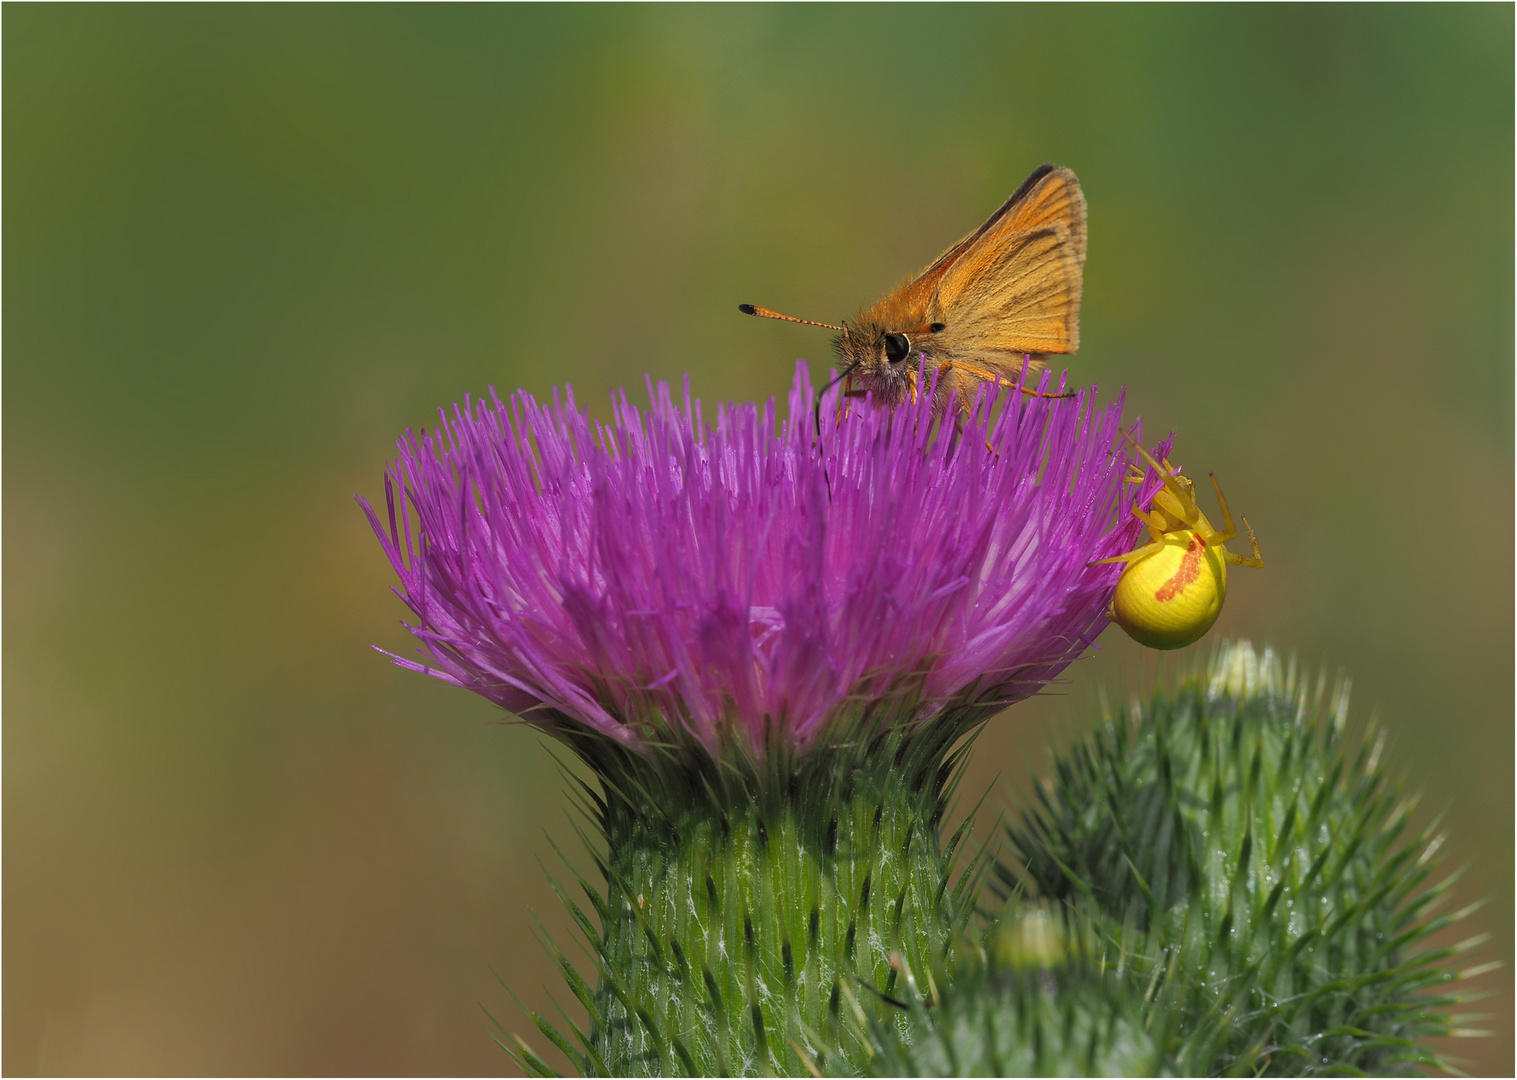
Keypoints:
(896, 347)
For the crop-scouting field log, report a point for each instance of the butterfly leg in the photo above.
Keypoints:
(1030, 392)
(1038, 363)
(961, 417)
(957, 382)
(848, 392)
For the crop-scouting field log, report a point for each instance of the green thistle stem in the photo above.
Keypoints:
(755, 908)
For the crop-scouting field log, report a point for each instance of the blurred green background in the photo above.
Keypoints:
(245, 247)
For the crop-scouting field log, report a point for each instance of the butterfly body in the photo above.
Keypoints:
(1005, 296)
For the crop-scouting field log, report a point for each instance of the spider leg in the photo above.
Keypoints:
(1132, 556)
(1227, 516)
(1178, 507)
(1167, 474)
(1156, 522)
(1257, 562)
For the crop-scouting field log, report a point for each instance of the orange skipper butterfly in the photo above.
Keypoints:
(1006, 295)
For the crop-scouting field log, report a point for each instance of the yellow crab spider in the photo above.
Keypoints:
(1171, 590)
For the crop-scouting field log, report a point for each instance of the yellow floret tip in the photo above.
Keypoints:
(1031, 938)
(1171, 598)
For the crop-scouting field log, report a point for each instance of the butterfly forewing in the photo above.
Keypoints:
(1021, 296)
(1056, 199)
(919, 292)
(1016, 287)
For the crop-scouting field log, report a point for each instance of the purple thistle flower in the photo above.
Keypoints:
(659, 579)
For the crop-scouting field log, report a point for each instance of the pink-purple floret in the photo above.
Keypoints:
(660, 577)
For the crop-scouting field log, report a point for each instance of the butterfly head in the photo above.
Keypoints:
(884, 359)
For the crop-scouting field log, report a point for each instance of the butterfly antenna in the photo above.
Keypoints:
(765, 313)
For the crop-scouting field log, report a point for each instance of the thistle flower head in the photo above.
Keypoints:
(663, 578)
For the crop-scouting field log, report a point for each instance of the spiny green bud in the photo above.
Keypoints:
(1235, 821)
(1037, 1001)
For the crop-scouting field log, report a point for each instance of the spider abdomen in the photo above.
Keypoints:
(1171, 598)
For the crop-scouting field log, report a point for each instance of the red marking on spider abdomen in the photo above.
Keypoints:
(1190, 569)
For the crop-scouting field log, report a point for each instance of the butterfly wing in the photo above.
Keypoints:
(1013, 286)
